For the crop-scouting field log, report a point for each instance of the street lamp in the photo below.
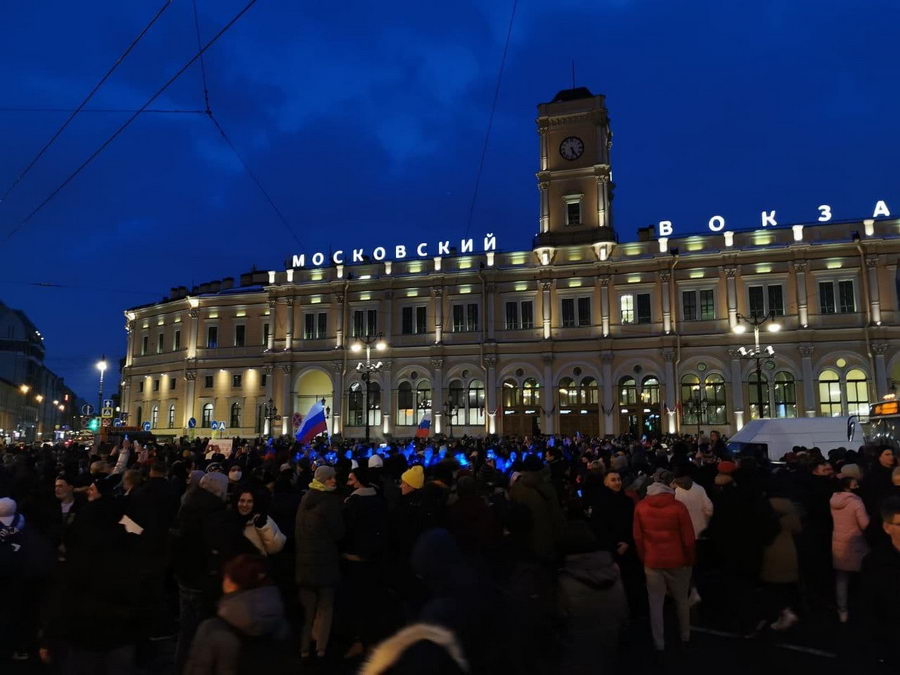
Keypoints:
(697, 406)
(757, 352)
(270, 412)
(101, 366)
(449, 408)
(368, 367)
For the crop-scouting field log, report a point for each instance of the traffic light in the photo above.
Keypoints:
(94, 424)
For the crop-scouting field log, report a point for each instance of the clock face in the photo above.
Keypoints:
(571, 148)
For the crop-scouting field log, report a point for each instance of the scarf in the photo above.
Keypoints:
(321, 487)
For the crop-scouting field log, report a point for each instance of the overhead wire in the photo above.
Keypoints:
(128, 122)
(490, 125)
(102, 110)
(84, 101)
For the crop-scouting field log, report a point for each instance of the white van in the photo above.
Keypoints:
(774, 438)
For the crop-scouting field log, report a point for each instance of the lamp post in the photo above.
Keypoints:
(757, 352)
(101, 366)
(449, 409)
(270, 412)
(697, 406)
(368, 367)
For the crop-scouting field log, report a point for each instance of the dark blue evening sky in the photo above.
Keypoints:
(365, 122)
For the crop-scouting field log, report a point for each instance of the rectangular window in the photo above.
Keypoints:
(145, 343)
(414, 320)
(846, 299)
(527, 313)
(465, 317)
(707, 304)
(212, 337)
(584, 311)
(365, 322)
(265, 339)
(141, 386)
(235, 380)
(239, 334)
(172, 382)
(512, 316)
(155, 385)
(626, 306)
(766, 299)
(322, 325)
(160, 343)
(176, 343)
(635, 308)
(421, 319)
(262, 379)
(643, 308)
(406, 320)
(573, 213)
(575, 312)
(837, 297)
(568, 312)
(315, 325)
(689, 305)
(826, 297)
(698, 305)
(208, 381)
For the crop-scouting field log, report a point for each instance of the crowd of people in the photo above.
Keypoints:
(472, 555)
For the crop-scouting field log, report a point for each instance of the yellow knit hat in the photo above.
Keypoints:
(414, 477)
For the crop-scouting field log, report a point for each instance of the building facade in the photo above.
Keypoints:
(578, 333)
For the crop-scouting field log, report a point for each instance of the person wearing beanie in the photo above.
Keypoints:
(375, 462)
(534, 490)
(412, 479)
(318, 529)
(216, 484)
(664, 538)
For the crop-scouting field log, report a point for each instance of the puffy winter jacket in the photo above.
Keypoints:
(319, 528)
(663, 531)
(848, 540)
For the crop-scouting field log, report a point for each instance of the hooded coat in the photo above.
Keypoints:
(663, 531)
(319, 528)
(848, 540)
(253, 616)
(535, 491)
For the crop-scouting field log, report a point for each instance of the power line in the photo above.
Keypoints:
(128, 122)
(101, 110)
(487, 134)
(202, 61)
(87, 98)
(97, 289)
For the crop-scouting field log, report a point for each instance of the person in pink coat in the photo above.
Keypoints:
(848, 541)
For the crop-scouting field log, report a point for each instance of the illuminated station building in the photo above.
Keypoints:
(577, 333)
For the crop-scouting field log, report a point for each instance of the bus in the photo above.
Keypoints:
(881, 427)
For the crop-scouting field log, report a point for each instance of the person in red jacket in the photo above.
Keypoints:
(664, 538)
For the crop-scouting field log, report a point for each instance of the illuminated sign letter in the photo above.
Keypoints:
(665, 228)
(298, 260)
(824, 213)
(716, 223)
(379, 253)
(768, 218)
(881, 209)
(318, 259)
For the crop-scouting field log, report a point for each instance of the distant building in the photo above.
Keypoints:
(30, 393)
(577, 333)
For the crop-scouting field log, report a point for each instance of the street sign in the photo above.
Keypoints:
(106, 412)
(221, 426)
(107, 403)
(117, 422)
(192, 422)
(214, 425)
(87, 409)
(106, 421)
(146, 426)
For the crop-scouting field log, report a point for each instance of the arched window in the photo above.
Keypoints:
(140, 415)
(423, 399)
(715, 395)
(531, 392)
(475, 402)
(511, 396)
(206, 417)
(857, 393)
(456, 402)
(650, 390)
(627, 391)
(154, 416)
(355, 396)
(829, 394)
(172, 416)
(758, 394)
(405, 404)
(374, 404)
(568, 392)
(785, 394)
(589, 391)
(235, 417)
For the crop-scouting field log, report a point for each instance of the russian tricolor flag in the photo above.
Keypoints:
(424, 429)
(313, 424)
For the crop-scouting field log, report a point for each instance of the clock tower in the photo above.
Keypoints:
(575, 177)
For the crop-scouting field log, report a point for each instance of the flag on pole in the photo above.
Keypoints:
(313, 424)
(424, 430)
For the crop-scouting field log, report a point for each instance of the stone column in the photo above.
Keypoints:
(671, 391)
(741, 413)
(437, 295)
(273, 324)
(287, 398)
(387, 397)
(190, 381)
(603, 219)
(730, 273)
(550, 403)
(609, 400)
(289, 329)
(809, 382)
(800, 267)
(882, 384)
(338, 320)
(490, 393)
(129, 354)
(270, 392)
(604, 304)
(664, 276)
(546, 307)
(193, 332)
(126, 390)
(337, 397)
(489, 311)
(437, 393)
(874, 295)
(544, 220)
(387, 308)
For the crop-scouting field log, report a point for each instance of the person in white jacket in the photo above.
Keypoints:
(260, 529)
(700, 508)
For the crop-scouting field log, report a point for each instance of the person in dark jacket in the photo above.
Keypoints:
(472, 521)
(535, 491)
(881, 588)
(319, 528)
(363, 552)
(205, 536)
(249, 632)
